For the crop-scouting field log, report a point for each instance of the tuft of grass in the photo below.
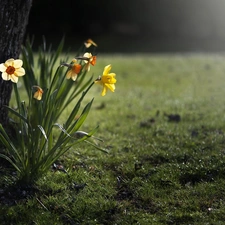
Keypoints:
(164, 130)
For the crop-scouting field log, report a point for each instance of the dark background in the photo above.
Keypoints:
(132, 26)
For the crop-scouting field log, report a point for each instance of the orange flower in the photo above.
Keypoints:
(91, 60)
(89, 42)
(38, 93)
(74, 70)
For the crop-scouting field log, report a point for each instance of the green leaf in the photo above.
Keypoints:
(5, 140)
(43, 132)
(77, 124)
(17, 114)
(96, 146)
(11, 162)
(62, 129)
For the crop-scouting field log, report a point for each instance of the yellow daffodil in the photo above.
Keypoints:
(12, 69)
(91, 60)
(74, 70)
(89, 42)
(38, 94)
(107, 80)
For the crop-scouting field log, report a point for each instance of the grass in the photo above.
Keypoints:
(164, 129)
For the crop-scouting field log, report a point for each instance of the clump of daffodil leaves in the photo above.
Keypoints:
(35, 144)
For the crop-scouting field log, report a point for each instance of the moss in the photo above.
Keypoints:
(157, 171)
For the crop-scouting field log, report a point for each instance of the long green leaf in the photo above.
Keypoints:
(5, 140)
(77, 124)
(10, 161)
(43, 132)
(76, 108)
(16, 114)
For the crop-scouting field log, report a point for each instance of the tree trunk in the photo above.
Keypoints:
(14, 16)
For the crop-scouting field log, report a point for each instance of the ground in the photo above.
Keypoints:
(164, 130)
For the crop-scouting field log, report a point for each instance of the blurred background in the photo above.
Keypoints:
(132, 25)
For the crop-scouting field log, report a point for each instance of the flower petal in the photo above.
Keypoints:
(87, 55)
(88, 67)
(74, 76)
(87, 45)
(14, 78)
(111, 87)
(3, 67)
(112, 74)
(89, 42)
(20, 72)
(74, 60)
(9, 62)
(104, 90)
(18, 63)
(5, 76)
(107, 69)
(37, 95)
(69, 74)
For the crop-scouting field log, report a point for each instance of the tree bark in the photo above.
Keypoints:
(14, 16)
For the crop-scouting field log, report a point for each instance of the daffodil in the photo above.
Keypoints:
(90, 60)
(89, 43)
(74, 70)
(107, 80)
(38, 94)
(12, 69)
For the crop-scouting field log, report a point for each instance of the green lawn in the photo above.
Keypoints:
(164, 130)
